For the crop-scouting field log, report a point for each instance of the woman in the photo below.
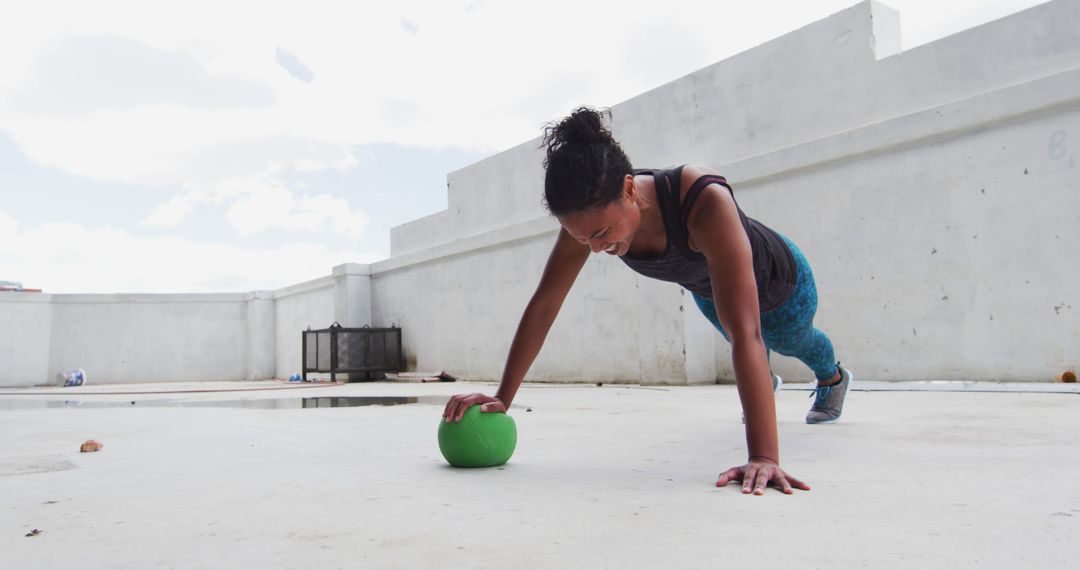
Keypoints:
(680, 225)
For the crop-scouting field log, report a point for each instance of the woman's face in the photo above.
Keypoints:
(608, 229)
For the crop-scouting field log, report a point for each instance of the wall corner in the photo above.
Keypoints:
(261, 344)
(885, 36)
(352, 295)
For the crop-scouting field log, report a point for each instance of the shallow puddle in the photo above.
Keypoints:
(260, 404)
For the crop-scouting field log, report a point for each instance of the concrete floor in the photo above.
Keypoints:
(603, 477)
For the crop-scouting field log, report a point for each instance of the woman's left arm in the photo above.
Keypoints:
(716, 230)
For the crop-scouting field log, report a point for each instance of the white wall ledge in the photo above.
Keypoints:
(361, 269)
(142, 298)
(1049, 94)
(305, 287)
(523, 230)
(13, 297)
(1055, 92)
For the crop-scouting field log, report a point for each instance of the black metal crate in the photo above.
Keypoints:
(352, 351)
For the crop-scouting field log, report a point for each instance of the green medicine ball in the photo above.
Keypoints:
(479, 439)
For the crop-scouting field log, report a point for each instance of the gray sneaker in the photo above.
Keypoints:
(829, 402)
(777, 382)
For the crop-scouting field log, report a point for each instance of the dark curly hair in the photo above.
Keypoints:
(584, 165)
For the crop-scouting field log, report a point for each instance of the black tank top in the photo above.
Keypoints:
(774, 267)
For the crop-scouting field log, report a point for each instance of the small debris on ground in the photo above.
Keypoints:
(321, 380)
(34, 532)
(1067, 376)
(90, 445)
(528, 409)
(76, 377)
(440, 376)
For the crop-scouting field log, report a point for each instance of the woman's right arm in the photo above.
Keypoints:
(564, 264)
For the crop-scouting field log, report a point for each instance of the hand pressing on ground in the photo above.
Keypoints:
(758, 474)
(457, 405)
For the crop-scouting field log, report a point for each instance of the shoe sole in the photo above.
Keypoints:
(850, 381)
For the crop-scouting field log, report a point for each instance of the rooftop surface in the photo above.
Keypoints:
(945, 476)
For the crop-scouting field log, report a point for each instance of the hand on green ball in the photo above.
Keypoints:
(479, 439)
(457, 405)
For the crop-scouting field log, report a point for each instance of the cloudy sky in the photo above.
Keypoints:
(152, 146)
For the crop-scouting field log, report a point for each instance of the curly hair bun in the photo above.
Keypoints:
(584, 166)
(584, 126)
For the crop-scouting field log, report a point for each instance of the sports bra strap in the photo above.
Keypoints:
(676, 214)
(695, 190)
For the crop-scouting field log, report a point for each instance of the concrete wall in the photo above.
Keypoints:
(343, 297)
(25, 337)
(296, 309)
(173, 338)
(459, 309)
(128, 338)
(935, 191)
(959, 263)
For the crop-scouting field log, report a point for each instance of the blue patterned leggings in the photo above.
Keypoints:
(789, 328)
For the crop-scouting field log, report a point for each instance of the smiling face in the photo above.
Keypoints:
(609, 229)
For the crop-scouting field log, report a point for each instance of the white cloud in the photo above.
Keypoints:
(174, 212)
(192, 94)
(166, 144)
(73, 258)
(9, 228)
(267, 206)
(265, 203)
(83, 73)
(456, 76)
(430, 73)
(328, 214)
(272, 206)
(345, 160)
(308, 165)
